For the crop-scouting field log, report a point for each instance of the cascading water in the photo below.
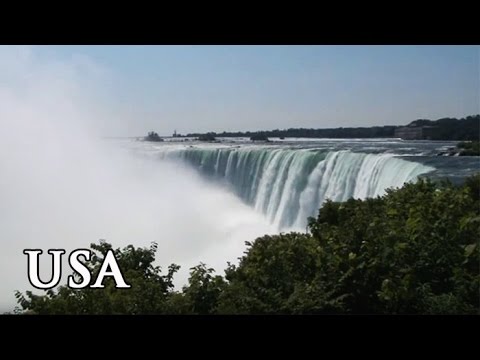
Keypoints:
(289, 185)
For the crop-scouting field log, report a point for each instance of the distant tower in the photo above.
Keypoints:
(175, 133)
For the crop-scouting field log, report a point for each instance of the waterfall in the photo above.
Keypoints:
(289, 185)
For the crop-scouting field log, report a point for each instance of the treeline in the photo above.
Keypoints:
(447, 129)
(363, 132)
(453, 129)
(413, 251)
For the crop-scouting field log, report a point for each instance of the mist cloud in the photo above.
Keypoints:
(63, 186)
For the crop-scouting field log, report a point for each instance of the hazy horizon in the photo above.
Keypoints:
(266, 130)
(191, 89)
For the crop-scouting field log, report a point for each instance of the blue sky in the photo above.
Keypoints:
(201, 88)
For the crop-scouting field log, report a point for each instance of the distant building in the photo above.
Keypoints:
(416, 132)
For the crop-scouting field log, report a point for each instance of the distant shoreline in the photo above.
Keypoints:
(445, 129)
(454, 129)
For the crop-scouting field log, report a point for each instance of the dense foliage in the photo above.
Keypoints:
(415, 251)
(207, 137)
(469, 148)
(447, 129)
(467, 128)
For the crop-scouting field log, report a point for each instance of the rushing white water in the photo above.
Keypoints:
(289, 185)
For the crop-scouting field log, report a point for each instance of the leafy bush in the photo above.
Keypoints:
(414, 250)
(469, 148)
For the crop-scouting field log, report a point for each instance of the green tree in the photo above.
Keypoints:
(414, 250)
(203, 290)
(149, 294)
(470, 148)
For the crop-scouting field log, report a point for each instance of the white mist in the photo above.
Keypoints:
(62, 186)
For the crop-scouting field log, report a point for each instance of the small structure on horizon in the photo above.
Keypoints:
(176, 135)
(416, 132)
(153, 136)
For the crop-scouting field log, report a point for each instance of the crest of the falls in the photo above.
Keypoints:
(289, 185)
